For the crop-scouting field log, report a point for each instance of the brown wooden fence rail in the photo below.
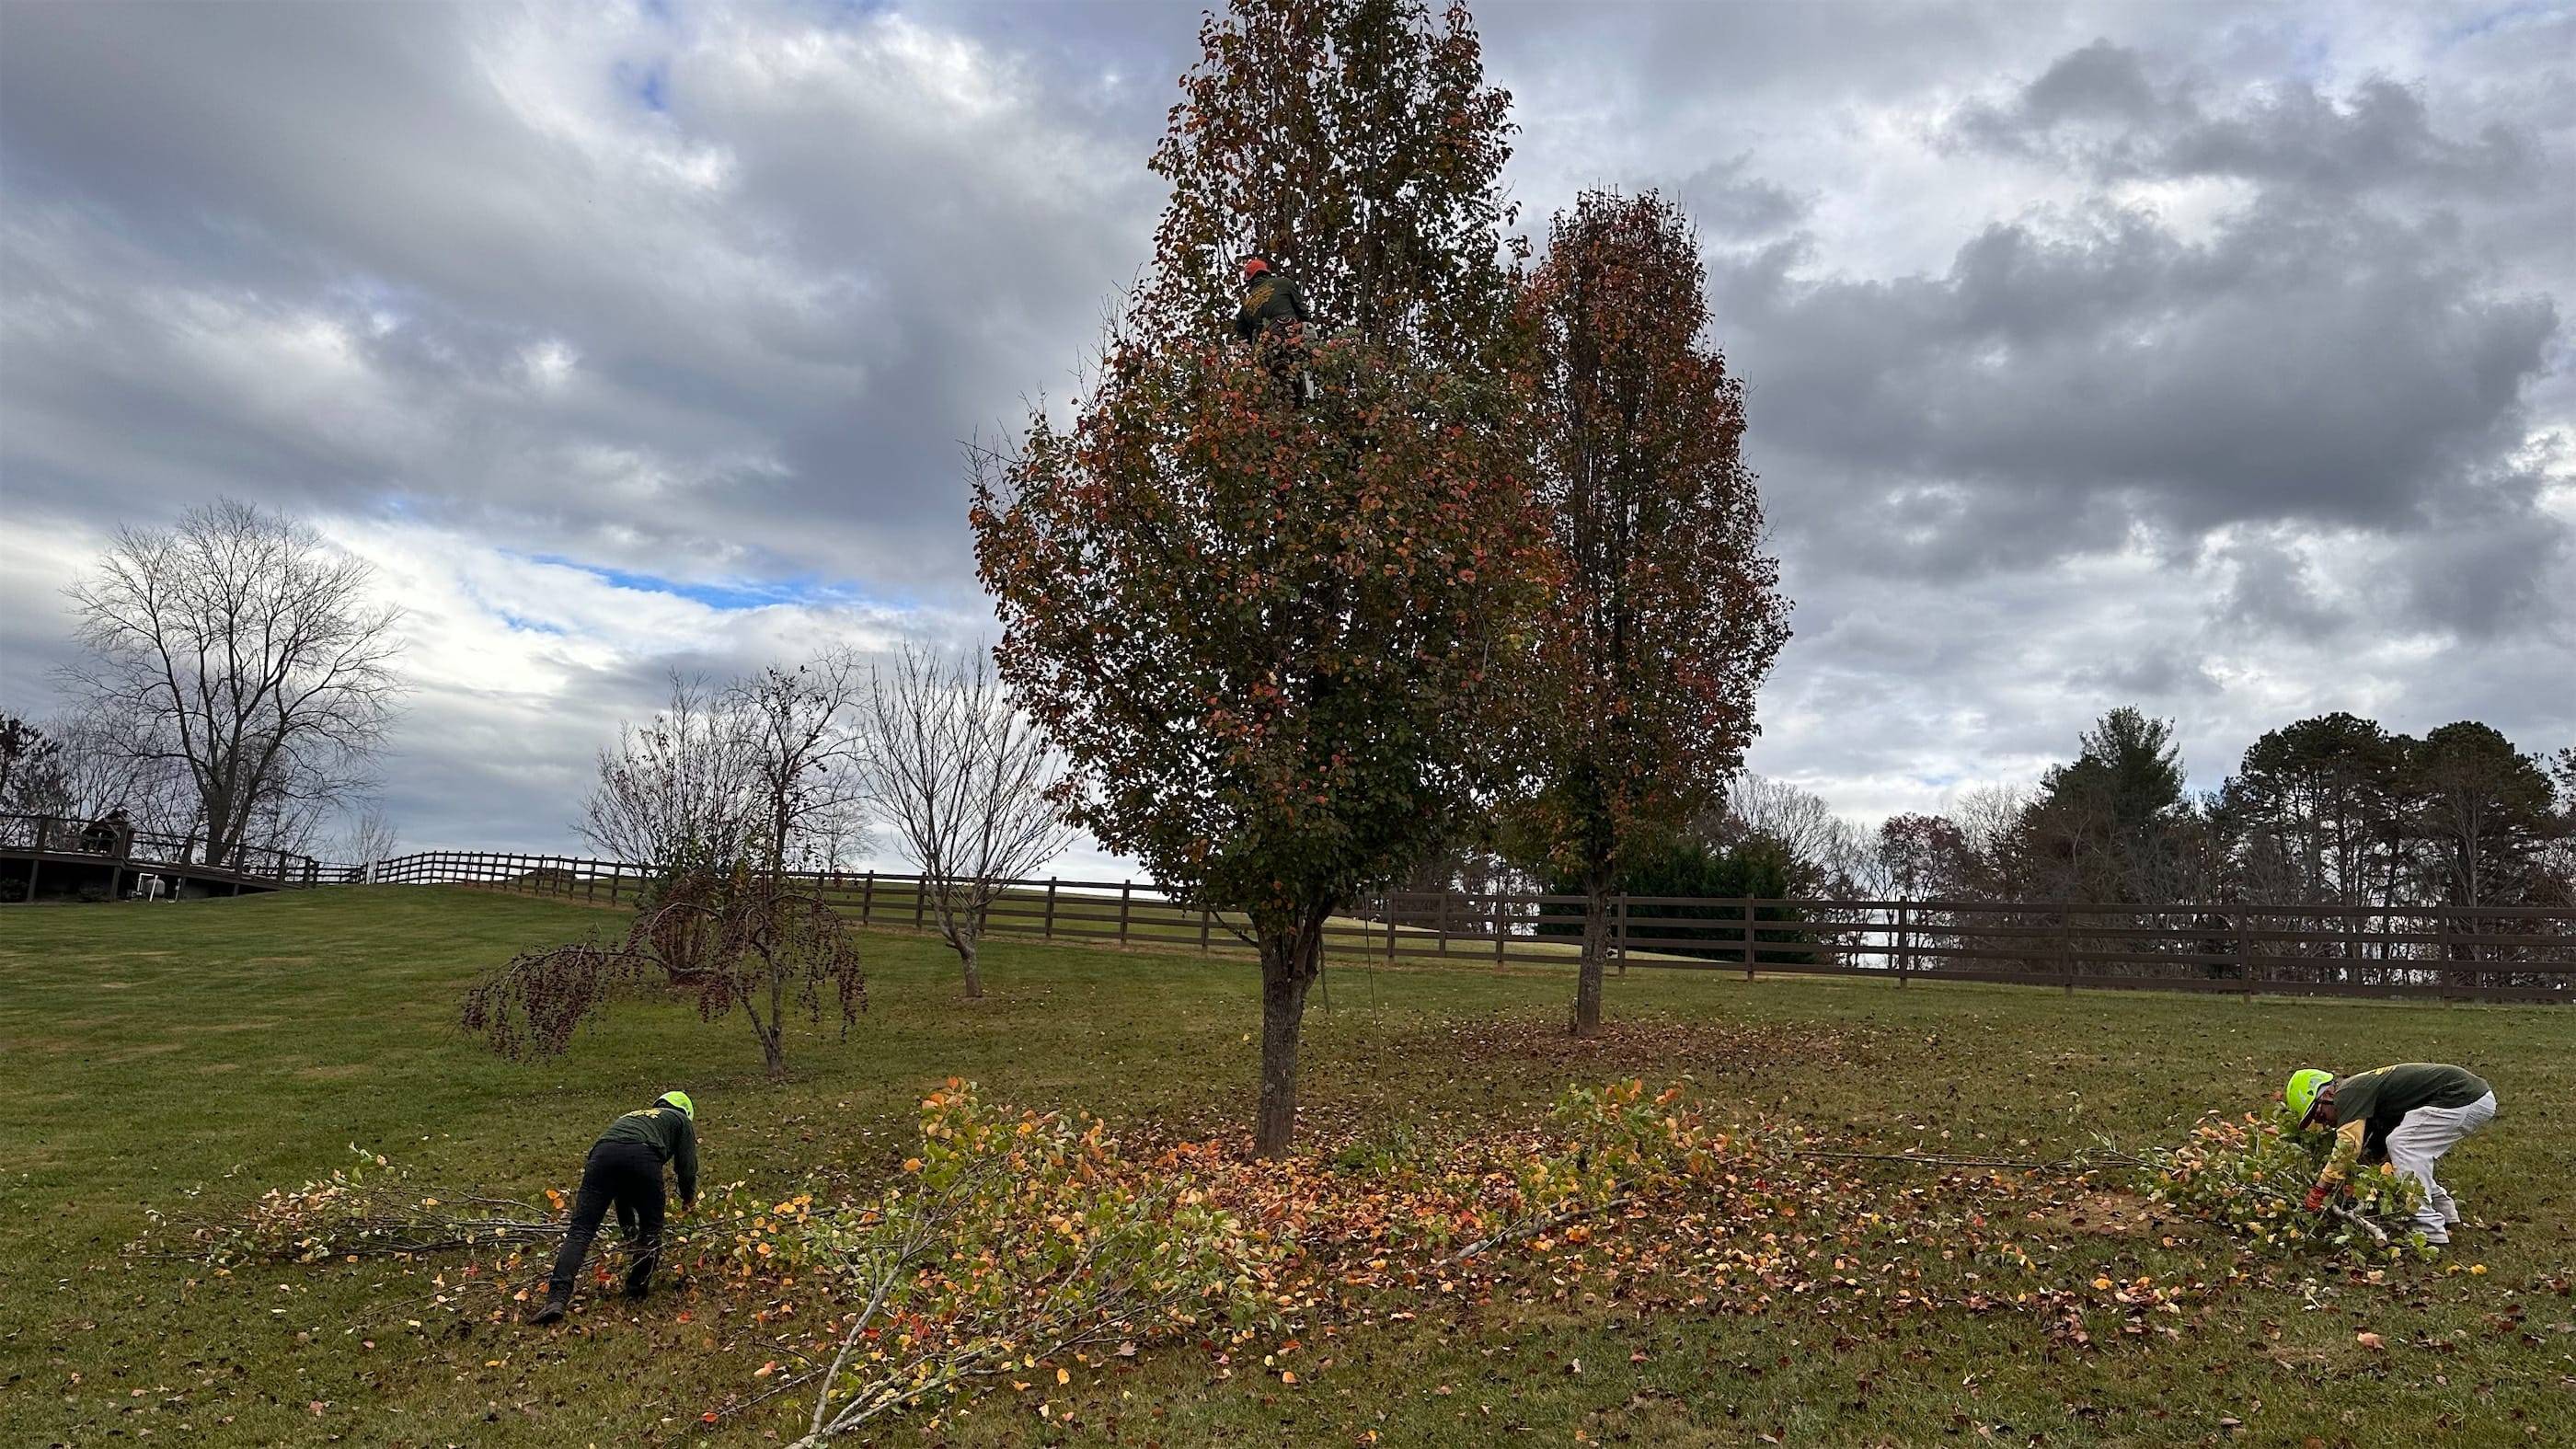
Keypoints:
(97, 852)
(2491, 953)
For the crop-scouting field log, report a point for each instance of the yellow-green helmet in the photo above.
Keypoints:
(2302, 1092)
(680, 1100)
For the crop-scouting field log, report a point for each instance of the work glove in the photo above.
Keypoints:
(2317, 1196)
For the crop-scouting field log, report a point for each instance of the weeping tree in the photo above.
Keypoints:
(744, 931)
(1665, 613)
(765, 948)
(1264, 636)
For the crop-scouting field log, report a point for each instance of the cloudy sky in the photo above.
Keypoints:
(2211, 359)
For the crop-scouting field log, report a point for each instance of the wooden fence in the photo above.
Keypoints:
(2491, 953)
(120, 855)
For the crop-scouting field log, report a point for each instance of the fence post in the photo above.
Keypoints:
(2442, 948)
(1048, 934)
(920, 900)
(1502, 931)
(1904, 943)
(2066, 947)
(1748, 938)
(1126, 897)
(1440, 925)
(868, 898)
(2246, 971)
(1619, 933)
(1207, 924)
(1389, 899)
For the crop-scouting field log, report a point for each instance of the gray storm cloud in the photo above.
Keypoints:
(2209, 359)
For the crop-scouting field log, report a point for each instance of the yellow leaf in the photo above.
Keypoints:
(1062, 1377)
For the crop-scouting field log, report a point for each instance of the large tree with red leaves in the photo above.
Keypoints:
(1266, 637)
(1666, 613)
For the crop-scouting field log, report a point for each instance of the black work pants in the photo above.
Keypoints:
(628, 1177)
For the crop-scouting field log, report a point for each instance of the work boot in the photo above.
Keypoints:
(552, 1310)
(638, 1285)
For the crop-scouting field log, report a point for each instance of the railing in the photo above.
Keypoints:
(2497, 953)
(62, 839)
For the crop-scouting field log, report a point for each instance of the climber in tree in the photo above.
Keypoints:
(1273, 318)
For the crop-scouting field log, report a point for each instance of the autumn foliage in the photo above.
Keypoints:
(1663, 613)
(1267, 637)
(1017, 1242)
(2251, 1175)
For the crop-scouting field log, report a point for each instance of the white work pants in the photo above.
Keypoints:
(2420, 1139)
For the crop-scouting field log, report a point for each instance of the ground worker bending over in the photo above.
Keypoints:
(1273, 318)
(625, 1170)
(2409, 1114)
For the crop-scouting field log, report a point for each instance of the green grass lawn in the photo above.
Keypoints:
(190, 1057)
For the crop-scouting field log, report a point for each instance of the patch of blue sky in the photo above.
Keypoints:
(524, 625)
(649, 84)
(727, 595)
(2496, 19)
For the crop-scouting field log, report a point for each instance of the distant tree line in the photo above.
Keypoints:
(2332, 810)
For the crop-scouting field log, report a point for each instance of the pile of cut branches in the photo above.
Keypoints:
(2251, 1174)
(370, 1209)
(1014, 1240)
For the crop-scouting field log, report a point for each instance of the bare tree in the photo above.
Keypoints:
(1990, 817)
(965, 780)
(246, 651)
(680, 788)
(367, 841)
(806, 759)
(1828, 854)
(82, 766)
(28, 759)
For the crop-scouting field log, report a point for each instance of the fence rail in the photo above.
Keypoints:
(2490, 953)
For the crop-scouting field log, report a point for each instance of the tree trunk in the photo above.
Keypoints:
(773, 1036)
(974, 974)
(1596, 931)
(1288, 962)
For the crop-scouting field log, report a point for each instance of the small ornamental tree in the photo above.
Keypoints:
(1265, 637)
(741, 931)
(754, 944)
(1666, 612)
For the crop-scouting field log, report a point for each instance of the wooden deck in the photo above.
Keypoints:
(49, 857)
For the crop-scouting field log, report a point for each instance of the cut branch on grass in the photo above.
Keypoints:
(371, 1210)
(1016, 1239)
(2252, 1176)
